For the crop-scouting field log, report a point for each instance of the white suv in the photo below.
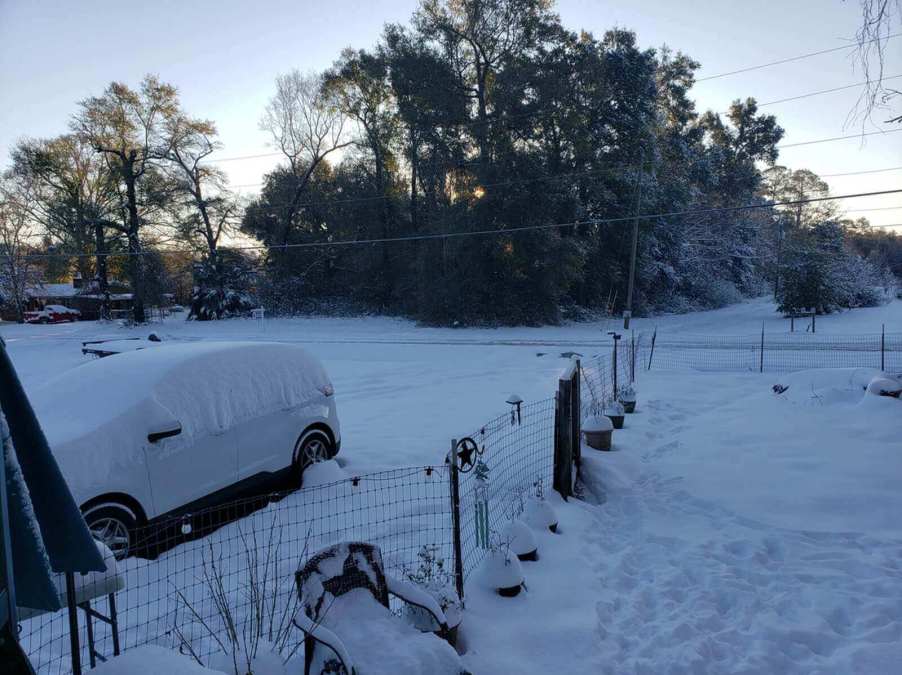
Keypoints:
(161, 432)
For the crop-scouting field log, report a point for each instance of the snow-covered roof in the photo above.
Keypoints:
(54, 291)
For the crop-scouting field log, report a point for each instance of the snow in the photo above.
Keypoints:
(323, 473)
(145, 388)
(731, 530)
(381, 643)
(598, 423)
(151, 660)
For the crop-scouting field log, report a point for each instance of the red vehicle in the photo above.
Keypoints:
(52, 314)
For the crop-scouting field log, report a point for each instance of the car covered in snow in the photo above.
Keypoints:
(156, 433)
(52, 314)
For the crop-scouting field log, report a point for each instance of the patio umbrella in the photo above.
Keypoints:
(47, 531)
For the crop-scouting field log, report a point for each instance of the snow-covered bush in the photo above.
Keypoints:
(222, 287)
(435, 578)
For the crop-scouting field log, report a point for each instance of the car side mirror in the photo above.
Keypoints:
(164, 430)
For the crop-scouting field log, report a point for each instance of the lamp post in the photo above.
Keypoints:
(515, 402)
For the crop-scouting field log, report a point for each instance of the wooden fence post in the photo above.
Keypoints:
(761, 358)
(654, 336)
(576, 419)
(455, 521)
(563, 447)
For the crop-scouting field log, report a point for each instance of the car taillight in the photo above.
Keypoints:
(327, 389)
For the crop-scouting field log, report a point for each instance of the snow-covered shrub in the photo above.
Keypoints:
(435, 578)
(222, 287)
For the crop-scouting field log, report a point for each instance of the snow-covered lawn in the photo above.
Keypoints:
(731, 530)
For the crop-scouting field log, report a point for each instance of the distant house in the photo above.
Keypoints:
(76, 295)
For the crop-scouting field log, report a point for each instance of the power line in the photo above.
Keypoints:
(825, 91)
(794, 58)
(478, 233)
(784, 145)
(860, 173)
(837, 138)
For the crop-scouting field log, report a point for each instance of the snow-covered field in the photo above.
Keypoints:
(732, 530)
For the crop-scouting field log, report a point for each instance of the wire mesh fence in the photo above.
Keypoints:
(242, 557)
(780, 352)
(230, 569)
(517, 452)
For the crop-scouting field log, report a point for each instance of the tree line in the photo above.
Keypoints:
(477, 116)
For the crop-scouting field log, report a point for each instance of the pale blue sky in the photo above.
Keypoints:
(224, 55)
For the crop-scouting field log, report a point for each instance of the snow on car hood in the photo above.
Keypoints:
(99, 413)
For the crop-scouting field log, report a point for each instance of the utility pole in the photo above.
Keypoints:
(628, 309)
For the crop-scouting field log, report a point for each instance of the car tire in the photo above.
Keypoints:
(43, 319)
(114, 525)
(313, 446)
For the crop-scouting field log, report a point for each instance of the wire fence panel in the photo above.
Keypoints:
(519, 454)
(245, 555)
(781, 352)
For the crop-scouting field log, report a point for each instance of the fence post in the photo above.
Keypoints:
(72, 611)
(633, 357)
(576, 422)
(883, 346)
(455, 521)
(651, 355)
(761, 358)
(814, 321)
(563, 447)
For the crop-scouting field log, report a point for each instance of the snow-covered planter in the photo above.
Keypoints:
(538, 514)
(615, 411)
(432, 575)
(628, 398)
(501, 571)
(598, 431)
(521, 539)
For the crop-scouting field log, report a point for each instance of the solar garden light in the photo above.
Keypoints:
(515, 402)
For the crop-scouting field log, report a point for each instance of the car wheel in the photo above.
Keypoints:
(314, 446)
(114, 526)
(43, 319)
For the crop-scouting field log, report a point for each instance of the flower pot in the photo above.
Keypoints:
(629, 407)
(616, 420)
(539, 515)
(600, 440)
(522, 540)
(500, 570)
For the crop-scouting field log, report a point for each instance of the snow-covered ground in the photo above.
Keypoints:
(731, 530)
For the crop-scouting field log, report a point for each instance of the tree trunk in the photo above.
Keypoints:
(100, 271)
(136, 260)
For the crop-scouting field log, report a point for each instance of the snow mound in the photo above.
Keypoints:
(598, 423)
(151, 660)
(322, 473)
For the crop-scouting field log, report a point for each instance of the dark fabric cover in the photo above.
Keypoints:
(66, 538)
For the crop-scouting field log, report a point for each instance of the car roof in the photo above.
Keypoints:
(206, 385)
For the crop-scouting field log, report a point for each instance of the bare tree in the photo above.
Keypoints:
(76, 200)
(126, 127)
(306, 126)
(19, 232)
(878, 19)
